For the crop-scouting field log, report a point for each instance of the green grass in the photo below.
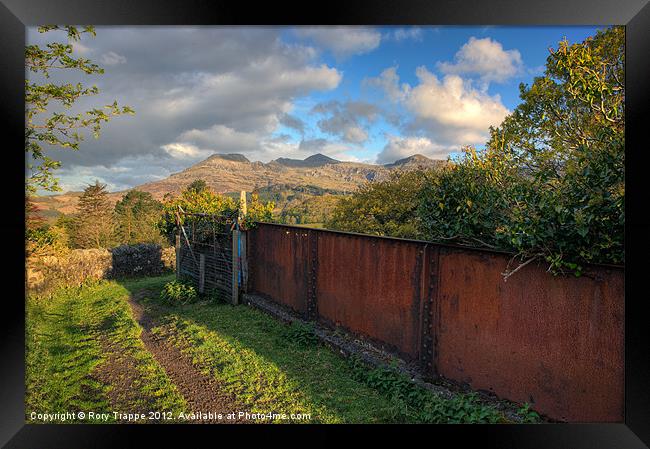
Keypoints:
(274, 367)
(69, 335)
(248, 352)
(269, 366)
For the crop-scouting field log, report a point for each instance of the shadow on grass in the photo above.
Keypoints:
(256, 358)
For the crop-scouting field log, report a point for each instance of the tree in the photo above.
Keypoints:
(94, 225)
(197, 186)
(34, 218)
(136, 216)
(58, 128)
(382, 207)
(38, 240)
(192, 201)
(550, 183)
(257, 211)
(213, 204)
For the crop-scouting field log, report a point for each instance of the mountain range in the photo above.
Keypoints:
(230, 173)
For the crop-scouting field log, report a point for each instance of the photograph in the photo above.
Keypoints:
(324, 224)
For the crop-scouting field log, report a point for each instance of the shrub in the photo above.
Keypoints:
(176, 292)
(143, 259)
(415, 403)
(386, 207)
(302, 334)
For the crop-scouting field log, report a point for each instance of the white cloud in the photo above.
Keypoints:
(112, 58)
(342, 41)
(486, 59)
(449, 111)
(80, 48)
(402, 34)
(388, 81)
(355, 134)
(401, 147)
(453, 111)
(182, 150)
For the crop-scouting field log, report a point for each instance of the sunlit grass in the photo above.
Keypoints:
(268, 366)
(69, 335)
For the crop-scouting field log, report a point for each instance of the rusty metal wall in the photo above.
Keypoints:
(371, 286)
(555, 342)
(278, 265)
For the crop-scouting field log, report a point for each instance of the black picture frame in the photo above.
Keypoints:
(635, 14)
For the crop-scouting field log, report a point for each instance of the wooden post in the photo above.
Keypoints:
(201, 272)
(242, 202)
(235, 266)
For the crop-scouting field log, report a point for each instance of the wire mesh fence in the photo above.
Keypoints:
(204, 245)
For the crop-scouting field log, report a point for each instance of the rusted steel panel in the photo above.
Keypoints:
(371, 287)
(278, 265)
(555, 342)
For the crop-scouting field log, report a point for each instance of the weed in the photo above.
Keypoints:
(216, 295)
(415, 403)
(302, 333)
(528, 415)
(176, 292)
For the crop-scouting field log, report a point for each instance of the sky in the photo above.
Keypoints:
(364, 94)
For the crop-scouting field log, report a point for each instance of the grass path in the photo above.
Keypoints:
(254, 358)
(83, 353)
(116, 346)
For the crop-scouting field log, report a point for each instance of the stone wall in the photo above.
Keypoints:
(74, 267)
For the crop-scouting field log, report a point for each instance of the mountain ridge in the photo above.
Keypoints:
(233, 172)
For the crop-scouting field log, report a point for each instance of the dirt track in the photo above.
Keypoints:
(202, 393)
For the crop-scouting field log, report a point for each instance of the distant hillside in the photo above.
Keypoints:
(414, 162)
(316, 160)
(316, 175)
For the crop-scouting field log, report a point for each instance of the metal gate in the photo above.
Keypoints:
(207, 254)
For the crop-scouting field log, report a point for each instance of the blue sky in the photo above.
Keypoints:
(354, 93)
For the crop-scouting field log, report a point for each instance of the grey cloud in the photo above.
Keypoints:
(342, 41)
(347, 120)
(312, 145)
(238, 82)
(290, 121)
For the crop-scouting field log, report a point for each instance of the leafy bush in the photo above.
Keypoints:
(382, 207)
(176, 292)
(549, 185)
(302, 334)
(528, 415)
(416, 403)
(202, 200)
